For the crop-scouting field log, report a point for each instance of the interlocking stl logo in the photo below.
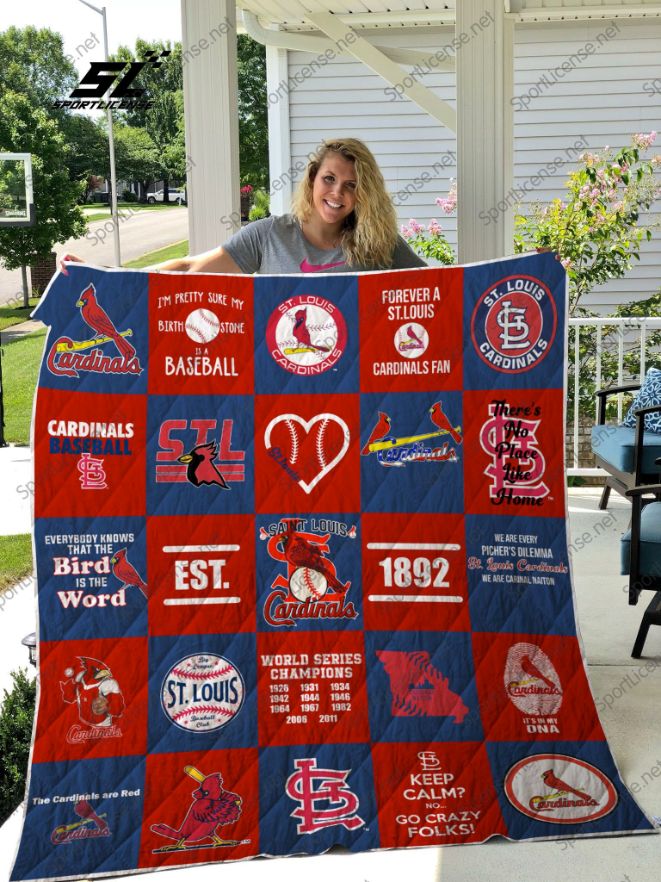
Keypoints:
(327, 805)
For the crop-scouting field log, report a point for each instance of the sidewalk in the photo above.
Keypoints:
(16, 481)
(21, 330)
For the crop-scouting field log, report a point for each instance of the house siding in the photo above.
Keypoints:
(603, 99)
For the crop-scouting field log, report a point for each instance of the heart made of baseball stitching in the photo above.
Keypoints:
(312, 447)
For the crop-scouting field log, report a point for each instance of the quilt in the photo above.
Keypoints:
(303, 574)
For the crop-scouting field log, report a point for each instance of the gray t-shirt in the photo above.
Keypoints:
(277, 245)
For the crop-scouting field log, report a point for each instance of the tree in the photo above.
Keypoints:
(164, 121)
(16, 718)
(253, 117)
(87, 150)
(26, 129)
(33, 63)
(137, 157)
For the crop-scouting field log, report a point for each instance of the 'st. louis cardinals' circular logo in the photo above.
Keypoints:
(514, 323)
(306, 334)
(202, 692)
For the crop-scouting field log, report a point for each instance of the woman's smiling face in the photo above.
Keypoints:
(334, 189)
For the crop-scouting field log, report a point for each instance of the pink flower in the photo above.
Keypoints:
(247, 189)
(434, 227)
(644, 141)
(566, 262)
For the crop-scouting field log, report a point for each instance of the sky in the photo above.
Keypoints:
(127, 20)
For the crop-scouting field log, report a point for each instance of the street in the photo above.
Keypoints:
(139, 232)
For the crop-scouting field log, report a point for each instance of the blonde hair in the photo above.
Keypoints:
(369, 234)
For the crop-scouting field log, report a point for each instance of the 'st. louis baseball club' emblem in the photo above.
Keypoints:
(514, 323)
(517, 464)
(212, 807)
(391, 451)
(91, 686)
(418, 689)
(559, 789)
(306, 335)
(307, 450)
(202, 693)
(328, 804)
(311, 589)
(66, 358)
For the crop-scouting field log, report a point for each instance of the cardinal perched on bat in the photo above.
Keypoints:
(101, 323)
(201, 467)
(212, 807)
(301, 553)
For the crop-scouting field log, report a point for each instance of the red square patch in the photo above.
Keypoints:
(88, 450)
(201, 574)
(439, 794)
(200, 337)
(511, 442)
(411, 330)
(414, 572)
(534, 688)
(311, 688)
(307, 453)
(200, 807)
(93, 699)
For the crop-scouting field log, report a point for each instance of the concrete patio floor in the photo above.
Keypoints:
(628, 696)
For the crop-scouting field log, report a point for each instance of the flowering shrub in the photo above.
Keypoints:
(596, 229)
(247, 190)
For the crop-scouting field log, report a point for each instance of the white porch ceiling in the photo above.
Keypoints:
(290, 15)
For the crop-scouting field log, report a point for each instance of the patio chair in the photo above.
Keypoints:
(627, 453)
(640, 550)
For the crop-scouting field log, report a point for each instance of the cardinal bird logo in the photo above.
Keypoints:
(302, 334)
(530, 668)
(100, 322)
(212, 807)
(90, 685)
(561, 787)
(378, 432)
(127, 574)
(439, 419)
(400, 451)
(311, 588)
(90, 826)
(201, 468)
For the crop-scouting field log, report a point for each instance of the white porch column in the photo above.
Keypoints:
(485, 148)
(277, 73)
(211, 118)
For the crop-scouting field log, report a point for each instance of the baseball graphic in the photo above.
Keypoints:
(306, 584)
(411, 340)
(202, 692)
(306, 334)
(202, 325)
(311, 447)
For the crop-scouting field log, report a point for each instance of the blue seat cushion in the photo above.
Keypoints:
(650, 543)
(616, 445)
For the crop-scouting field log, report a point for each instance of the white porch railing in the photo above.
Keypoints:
(629, 330)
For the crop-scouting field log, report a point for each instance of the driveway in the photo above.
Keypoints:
(139, 233)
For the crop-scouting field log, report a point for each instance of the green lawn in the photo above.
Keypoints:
(15, 559)
(20, 368)
(179, 249)
(14, 315)
(103, 211)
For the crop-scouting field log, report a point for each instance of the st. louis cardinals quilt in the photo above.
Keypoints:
(303, 574)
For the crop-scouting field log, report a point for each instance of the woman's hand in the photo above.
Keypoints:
(71, 258)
